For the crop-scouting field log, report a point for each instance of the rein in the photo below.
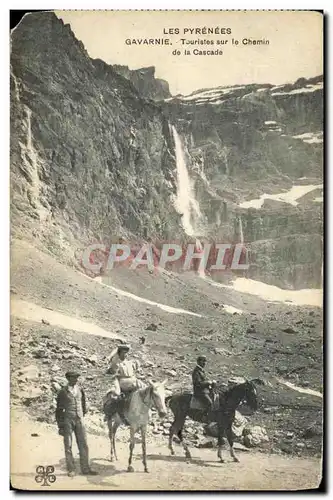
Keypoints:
(232, 395)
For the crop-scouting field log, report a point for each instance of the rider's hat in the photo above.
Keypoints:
(72, 374)
(201, 358)
(123, 347)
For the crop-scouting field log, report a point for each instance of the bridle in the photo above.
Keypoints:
(149, 396)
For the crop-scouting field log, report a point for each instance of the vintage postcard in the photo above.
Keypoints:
(166, 250)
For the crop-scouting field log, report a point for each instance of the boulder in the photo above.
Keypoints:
(289, 330)
(31, 395)
(39, 353)
(206, 444)
(62, 381)
(238, 426)
(72, 343)
(93, 359)
(30, 372)
(254, 436)
(171, 373)
(152, 327)
(55, 368)
(236, 380)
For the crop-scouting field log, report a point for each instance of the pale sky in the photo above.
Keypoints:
(295, 49)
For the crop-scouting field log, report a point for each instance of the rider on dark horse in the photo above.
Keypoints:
(201, 385)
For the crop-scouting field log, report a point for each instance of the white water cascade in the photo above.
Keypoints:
(241, 235)
(185, 202)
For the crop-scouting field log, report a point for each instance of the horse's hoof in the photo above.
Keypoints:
(130, 469)
(236, 459)
(188, 455)
(146, 470)
(172, 452)
(221, 461)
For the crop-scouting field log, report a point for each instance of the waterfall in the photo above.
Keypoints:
(241, 235)
(185, 202)
(30, 165)
(29, 155)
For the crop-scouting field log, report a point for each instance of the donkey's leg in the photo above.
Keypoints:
(231, 443)
(144, 452)
(111, 437)
(116, 424)
(131, 448)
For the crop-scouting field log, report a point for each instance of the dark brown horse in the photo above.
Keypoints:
(229, 400)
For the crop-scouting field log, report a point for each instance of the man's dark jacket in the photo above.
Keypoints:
(66, 405)
(200, 381)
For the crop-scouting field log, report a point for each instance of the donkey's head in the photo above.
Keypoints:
(158, 397)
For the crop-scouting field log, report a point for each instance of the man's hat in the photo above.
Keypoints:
(123, 347)
(201, 358)
(72, 374)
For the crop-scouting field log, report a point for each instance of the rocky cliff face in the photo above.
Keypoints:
(90, 158)
(145, 82)
(246, 141)
(93, 157)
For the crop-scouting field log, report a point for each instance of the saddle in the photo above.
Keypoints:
(116, 404)
(196, 404)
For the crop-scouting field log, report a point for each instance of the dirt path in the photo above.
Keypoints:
(34, 444)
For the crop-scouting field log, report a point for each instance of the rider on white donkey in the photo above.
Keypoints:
(124, 380)
(125, 369)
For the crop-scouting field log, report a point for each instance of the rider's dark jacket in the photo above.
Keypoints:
(200, 381)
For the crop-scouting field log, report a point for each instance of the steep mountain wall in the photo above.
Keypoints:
(145, 82)
(246, 141)
(94, 157)
(90, 159)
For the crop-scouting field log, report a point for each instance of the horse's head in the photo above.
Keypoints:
(251, 396)
(158, 397)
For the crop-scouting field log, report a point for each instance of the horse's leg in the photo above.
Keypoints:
(185, 446)
(175, 428)
(144, 453)
(231, 443)
(131, 448)
(172, 431)
(219, 441)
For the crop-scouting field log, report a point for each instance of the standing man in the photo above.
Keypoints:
(201, 385)
(71, 408)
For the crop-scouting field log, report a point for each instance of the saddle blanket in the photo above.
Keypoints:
(196, 404)
(112, 404)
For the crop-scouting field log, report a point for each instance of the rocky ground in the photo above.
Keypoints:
(282, 342)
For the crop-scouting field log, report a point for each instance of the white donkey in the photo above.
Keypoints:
(137, 415)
